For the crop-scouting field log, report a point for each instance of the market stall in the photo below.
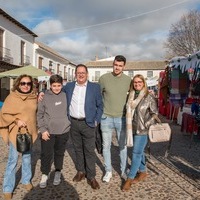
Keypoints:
(180, 88)
(190, 108)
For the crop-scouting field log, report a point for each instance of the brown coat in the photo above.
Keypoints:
(21, 106)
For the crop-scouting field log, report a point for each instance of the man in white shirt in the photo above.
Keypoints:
(85, 108)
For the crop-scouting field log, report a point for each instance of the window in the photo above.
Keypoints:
(149, 74)
(97, 76)
(50, 64)
(40, 62)
(65, 73)
(22, 52)
(65, 76)
(58, 68)
(131, 74)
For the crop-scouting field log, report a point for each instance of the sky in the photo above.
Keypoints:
(83, 30)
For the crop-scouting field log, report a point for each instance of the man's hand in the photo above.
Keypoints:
(40, 96)
(46, 136)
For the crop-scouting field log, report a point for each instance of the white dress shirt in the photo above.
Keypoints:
(77, 106)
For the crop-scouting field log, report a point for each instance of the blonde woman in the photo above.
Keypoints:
(141, 108)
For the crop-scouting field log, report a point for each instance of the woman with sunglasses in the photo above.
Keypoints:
(141, 109)
(19, 110)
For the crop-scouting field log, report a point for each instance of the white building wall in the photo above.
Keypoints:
(13, 35)
(106, 70)
(92, 71)
(144, 72)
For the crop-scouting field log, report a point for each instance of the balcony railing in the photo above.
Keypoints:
(5, 55)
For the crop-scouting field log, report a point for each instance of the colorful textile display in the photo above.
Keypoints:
(180, 83)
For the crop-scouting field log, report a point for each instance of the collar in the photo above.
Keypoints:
(85, 84)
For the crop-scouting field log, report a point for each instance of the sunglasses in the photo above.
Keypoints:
(25, 83)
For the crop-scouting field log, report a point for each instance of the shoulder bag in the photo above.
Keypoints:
(159, 132)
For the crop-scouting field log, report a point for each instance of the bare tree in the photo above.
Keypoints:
(184, 36)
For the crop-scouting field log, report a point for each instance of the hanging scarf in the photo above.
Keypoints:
(130, 109)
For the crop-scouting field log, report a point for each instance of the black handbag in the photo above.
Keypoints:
(23, 141)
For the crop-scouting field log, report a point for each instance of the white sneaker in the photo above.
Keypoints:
(43, 182)
(107, 177)
(57, 179)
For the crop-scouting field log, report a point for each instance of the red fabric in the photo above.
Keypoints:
(188, 123)
(189, 100)
(175, 110)
(162, 108)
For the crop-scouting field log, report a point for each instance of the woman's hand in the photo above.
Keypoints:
(46, 136)
(20, 123)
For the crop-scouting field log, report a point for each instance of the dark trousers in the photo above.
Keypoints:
(83, 138)
(53, 149)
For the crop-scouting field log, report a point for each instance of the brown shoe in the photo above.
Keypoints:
(7, 196)
(28, 186)
(79, 177)
(127, 184)
(93, 183)
(139, 177)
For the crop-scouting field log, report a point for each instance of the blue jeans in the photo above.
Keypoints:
(10, 173)
(107, 126)
(138, 157)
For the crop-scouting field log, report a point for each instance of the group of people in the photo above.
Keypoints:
(116, 103)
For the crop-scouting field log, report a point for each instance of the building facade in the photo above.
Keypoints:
(52, 62)
(18, 48)
(16, 43)
(149, 69)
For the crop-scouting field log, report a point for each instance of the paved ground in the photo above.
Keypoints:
(173, 178)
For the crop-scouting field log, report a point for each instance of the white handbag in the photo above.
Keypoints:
(159, 132)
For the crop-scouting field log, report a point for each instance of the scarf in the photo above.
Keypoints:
(130, 109)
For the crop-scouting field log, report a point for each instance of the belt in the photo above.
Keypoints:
(78, 119)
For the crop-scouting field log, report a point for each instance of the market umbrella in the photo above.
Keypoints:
(29, 70)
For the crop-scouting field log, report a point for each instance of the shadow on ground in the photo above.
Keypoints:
(62, 192)
(183, 155)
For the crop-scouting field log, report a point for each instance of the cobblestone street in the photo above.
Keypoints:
(176, 177)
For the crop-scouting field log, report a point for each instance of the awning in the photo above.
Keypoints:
(29, 70)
